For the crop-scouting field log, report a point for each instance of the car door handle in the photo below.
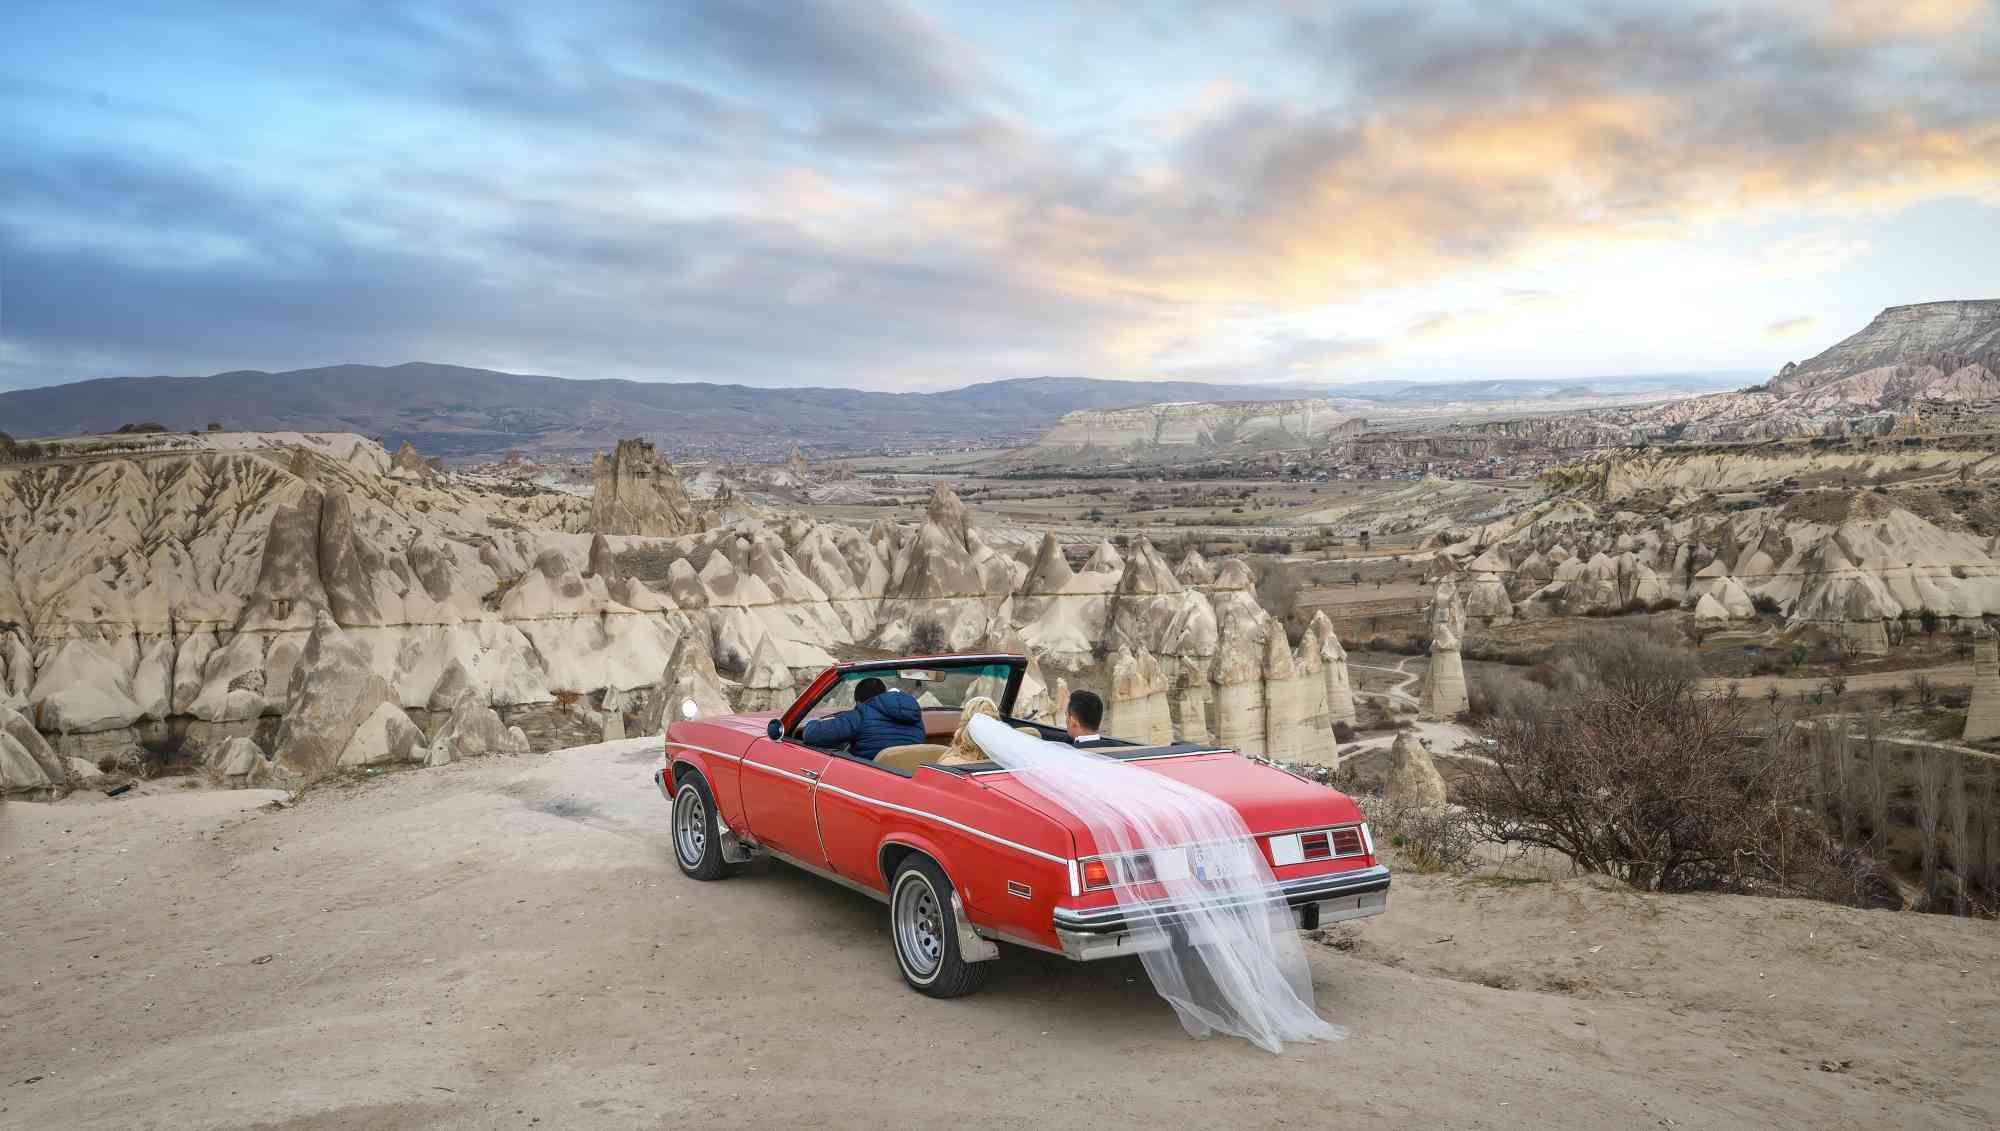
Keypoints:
(813, 774)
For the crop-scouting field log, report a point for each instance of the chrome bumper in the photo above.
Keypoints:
(1108, 932)
(664, 782)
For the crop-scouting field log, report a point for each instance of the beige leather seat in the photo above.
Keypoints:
(911, 756)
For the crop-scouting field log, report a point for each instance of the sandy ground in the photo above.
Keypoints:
(507, 943)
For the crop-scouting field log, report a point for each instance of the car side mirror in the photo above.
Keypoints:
(775, 730)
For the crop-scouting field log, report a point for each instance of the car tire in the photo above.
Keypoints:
(697, 841)
(923, 931)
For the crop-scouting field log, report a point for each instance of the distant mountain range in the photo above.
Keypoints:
(455, 411)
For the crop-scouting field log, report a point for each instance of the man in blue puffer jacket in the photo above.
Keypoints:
(879, 719)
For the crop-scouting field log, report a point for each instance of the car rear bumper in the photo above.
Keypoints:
(1108, 932)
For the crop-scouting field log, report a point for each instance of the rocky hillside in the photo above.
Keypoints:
(1200, 428)
(1928, 351)
(284, 606)
(1859, 539)
(1932, 367)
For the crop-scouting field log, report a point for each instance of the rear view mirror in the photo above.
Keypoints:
(689, 709)
(774, 730)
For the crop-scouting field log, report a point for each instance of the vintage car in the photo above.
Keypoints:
(966, 856)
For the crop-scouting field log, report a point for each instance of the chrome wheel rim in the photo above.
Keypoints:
(690, 826)
(919, 927)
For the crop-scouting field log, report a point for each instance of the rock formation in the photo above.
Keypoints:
(1413, 777)
(291, 590)
(638, 493)
(1238, 679)
(767, 685)
(1333, 668)
(1444, 694)
(1164, 432)
(1982, 716)
(240, 764)
(385, 737)
(474, 730)
(29, 766)
(333, 691)
(1291, 725)
(1136, 702)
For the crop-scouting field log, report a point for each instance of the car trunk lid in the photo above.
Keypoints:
(1269, 799)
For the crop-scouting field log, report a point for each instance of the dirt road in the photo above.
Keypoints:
(1945, 675)
(507, 943)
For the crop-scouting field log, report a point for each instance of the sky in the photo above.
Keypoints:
(918, 196)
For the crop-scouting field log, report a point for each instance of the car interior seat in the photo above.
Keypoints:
(910, 756)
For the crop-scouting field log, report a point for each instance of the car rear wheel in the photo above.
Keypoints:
(697, 843)
(924, 928)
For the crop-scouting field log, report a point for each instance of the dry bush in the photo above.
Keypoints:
(1430, 838)
(1925, 691)
(1278, 591)
(1658, 785)
(927, 638)
(1497, 693)
(1928, 781)
(1961, 840)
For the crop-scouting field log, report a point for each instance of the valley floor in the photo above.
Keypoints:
(507, 942)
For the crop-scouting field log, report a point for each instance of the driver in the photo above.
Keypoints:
(880, 718)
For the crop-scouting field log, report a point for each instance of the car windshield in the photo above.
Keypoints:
(933, 687)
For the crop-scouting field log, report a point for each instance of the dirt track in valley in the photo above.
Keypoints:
(1944, 675)
(507, 943)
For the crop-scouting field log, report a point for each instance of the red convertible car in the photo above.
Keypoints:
(966, 856)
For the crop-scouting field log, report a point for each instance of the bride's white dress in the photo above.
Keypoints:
(1231, 962)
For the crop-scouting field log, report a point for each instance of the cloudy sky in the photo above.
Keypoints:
(914, 195)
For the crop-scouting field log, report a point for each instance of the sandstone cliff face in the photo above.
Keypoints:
(1169, 430)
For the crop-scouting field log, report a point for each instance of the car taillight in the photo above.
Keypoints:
(1095, 875)
(1347, 841)
(1319, 844)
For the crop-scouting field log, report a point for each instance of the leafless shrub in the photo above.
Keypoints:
(1846, 779)
(1929, 781)
(1924, 690)
(1878, 789)
(1656, 784)
(1961, 840)
(1278, 591)
(927, 638)
(1497, 693)
(1429, 838)
(1989, 817)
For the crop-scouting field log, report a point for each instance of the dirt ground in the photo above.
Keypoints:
(507, 943)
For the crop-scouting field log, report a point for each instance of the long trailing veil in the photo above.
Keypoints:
(1229, 959)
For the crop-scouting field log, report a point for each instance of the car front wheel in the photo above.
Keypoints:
(697, 842)
(924, 928)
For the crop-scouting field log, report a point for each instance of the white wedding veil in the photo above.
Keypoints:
(1225, 955)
